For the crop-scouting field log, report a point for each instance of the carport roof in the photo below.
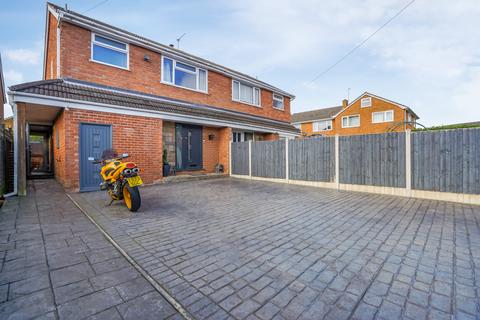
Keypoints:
(76, 90)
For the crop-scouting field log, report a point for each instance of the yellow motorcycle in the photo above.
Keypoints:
(120, 179)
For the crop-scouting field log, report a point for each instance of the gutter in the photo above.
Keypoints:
(84, 105)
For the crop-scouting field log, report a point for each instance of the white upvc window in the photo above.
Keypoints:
(183, 75)
(240, 136)
(278, 101)
(323, 125)
(245, 93)
(110, 52)
(382, 116)
(366, 102)
(351, 121)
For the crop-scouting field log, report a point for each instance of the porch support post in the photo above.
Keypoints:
(337, 161)
(250, 158)
(20, 145)
(408, 162)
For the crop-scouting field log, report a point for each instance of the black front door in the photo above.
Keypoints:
(188, 147)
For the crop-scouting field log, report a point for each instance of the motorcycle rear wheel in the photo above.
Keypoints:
(131, 197)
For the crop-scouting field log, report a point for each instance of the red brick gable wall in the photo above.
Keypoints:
(145, 76)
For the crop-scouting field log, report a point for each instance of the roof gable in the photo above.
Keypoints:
(368, 94)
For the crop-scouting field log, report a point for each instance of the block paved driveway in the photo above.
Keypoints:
(55, 264)
(237, 249)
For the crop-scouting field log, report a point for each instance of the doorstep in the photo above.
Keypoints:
(192, 177)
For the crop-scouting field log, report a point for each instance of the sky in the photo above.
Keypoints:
(427, 58)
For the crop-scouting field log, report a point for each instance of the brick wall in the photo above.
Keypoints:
(141, 137)
(145, 76)
(58, 138)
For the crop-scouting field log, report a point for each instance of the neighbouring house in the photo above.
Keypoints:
(366, 114)
(106, 87)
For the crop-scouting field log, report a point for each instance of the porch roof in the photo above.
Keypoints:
(80, 91)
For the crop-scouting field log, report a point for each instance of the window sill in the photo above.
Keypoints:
(279, 109)
(248, 104)
(350, 127)
(378, 122)
(180, 87)
(109, 65)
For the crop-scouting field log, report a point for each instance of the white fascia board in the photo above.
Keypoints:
(163, 49)
(100, 107)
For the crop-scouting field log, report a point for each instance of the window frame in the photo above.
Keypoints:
(348, 117)
(322, 120)
(174, 66)
(384, 116)
(101, 44)
(254, 88)
(370, 102)
(282, 100)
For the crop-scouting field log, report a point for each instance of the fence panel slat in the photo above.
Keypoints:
(240, 158)
(268, 159)
(312, 159)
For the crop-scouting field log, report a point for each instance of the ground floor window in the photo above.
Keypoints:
(239, 136)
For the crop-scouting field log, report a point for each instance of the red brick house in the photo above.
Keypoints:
(106, 87)
(367, 114)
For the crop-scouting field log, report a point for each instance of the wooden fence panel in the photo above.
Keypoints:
(446, 161)
(240, 158)
(312, 159)
(376, 159)
(268, 159)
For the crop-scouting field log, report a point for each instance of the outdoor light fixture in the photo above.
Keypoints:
(211, 136)
(146, 58)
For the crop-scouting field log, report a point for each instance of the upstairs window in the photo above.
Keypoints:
(323, 125)
(244, 93)
(183, 75)
(109, 52)
(278, 101)
(366, 102)
(383, 116)
(351, 121)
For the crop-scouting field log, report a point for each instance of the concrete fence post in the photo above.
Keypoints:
(408, 162)
(287, 173)
(250, 158)
(337, 161)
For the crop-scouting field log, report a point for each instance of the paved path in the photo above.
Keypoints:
(236, 249)
(55, 264)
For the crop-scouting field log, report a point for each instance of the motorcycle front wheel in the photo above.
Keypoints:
(131, 197)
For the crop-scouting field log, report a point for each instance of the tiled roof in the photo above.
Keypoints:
(306, 116)
(72, 89)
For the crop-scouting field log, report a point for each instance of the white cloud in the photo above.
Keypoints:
(13, 77)
(24, 56)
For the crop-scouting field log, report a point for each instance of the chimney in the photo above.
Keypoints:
(344, 103)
